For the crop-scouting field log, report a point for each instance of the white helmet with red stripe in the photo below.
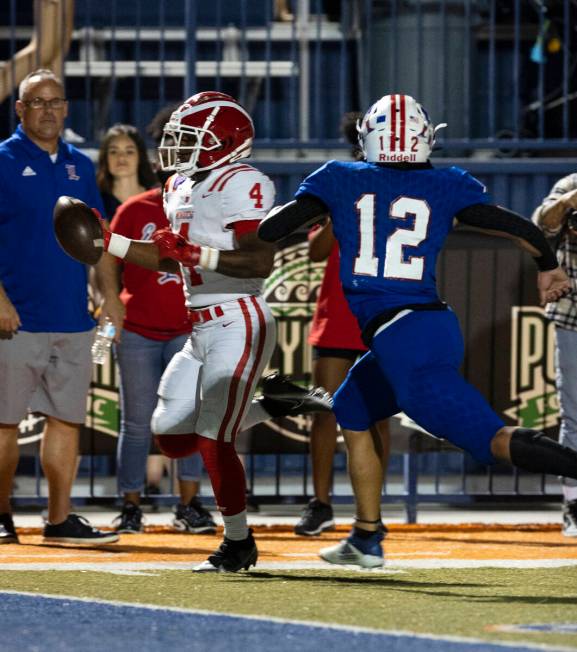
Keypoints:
(209, 130)
(397, 129)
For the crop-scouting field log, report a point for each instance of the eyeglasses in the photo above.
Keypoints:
(39, 103)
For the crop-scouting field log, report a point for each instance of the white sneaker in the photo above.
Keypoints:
(366, 553)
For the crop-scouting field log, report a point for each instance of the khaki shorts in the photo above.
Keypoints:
(48, 373)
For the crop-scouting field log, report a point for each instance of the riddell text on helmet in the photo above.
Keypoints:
(398, 157)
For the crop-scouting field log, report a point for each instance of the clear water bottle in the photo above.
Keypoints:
(103, 341)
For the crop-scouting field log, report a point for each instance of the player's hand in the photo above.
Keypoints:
(9, 318)
(175, 246)
(552, 285)
(106, 233)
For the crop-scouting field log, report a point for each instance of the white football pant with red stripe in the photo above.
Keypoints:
(208, 387)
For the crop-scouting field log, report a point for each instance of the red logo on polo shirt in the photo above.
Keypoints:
(71, 169)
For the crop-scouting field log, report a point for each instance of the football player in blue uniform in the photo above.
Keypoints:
(391, 215)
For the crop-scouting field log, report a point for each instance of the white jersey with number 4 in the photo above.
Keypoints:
(204, 213)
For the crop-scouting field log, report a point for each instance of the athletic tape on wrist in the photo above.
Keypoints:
(209, 258)
(118, 245)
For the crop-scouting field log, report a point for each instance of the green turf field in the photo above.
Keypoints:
(453, 602)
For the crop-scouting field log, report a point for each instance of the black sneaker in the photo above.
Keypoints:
(77, 530)
(317, 517)
(193, 518)
(570, 518)
(7, 529)
(282, 398)
(129, 521)
(231, 556)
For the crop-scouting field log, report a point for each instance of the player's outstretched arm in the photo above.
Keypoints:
(552, 281)
(252, 258)
(306, 210)
(139, 252)
(499, 221)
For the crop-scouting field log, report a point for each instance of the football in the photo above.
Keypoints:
(78, 230)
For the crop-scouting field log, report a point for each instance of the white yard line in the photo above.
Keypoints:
(407, 564)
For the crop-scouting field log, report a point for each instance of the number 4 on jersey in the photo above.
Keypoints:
(367, 262)
(256, 194)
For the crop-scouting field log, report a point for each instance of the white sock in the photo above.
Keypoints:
(569, 493)
(236, 527)
(256, 414)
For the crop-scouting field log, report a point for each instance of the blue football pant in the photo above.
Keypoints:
(413, 367)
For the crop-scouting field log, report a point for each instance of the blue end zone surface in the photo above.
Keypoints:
(39, 623)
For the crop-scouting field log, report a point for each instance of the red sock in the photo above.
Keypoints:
(226, 474)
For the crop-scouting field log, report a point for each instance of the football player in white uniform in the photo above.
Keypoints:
(214, 203)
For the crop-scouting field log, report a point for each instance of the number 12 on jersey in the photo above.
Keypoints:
(367, 260)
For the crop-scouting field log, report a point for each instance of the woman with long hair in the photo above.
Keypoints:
(124, 169)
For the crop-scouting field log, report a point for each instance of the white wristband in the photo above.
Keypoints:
(118, 245)
(209, 258)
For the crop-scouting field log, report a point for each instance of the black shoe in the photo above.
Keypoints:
(570, 518)
(282, 398)
(77, 530)
(231, 556)
(7, 529)
(317, 517)
(193, 518)
(129, 521)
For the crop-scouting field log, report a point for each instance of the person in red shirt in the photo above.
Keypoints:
(336, 340)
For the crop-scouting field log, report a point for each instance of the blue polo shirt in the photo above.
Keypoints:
(46, 286)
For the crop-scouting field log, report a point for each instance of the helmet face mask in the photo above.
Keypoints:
(208, 131)
(396, 129)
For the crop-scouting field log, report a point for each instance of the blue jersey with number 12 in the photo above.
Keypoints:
(390, 224)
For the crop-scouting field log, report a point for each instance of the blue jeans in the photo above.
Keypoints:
(566, 380)
(141, 362)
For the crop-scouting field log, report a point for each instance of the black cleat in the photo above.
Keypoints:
(231, 557)
(7, 529)
(283, 398)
